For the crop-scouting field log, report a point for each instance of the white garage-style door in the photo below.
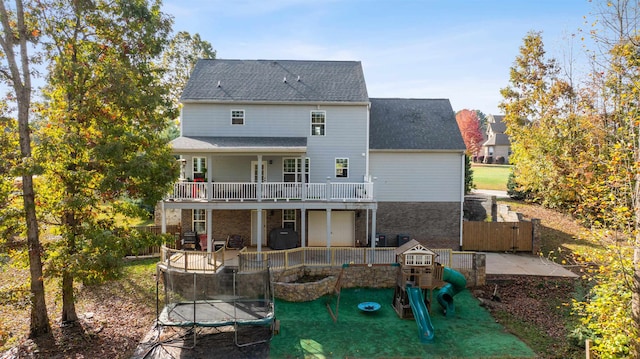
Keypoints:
(342, 228)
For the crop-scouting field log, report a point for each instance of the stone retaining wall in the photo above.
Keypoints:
(353, 277)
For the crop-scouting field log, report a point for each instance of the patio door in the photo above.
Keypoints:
(254, 171)
(254, 228)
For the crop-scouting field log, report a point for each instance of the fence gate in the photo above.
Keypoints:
(497, 236)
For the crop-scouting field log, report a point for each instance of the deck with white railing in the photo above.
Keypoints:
(272, 191)
(248, 259)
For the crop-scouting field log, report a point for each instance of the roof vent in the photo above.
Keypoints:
(298, 78)
(218, 83)
(285, 80)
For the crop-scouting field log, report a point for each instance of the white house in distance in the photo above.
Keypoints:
(271, 144)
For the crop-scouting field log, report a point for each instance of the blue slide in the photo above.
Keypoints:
(421, 314)
(456, 282)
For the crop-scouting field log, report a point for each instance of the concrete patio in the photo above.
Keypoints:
(524, 264)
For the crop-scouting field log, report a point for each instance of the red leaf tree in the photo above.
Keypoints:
(469, 126)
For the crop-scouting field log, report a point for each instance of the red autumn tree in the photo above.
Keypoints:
(469, 126)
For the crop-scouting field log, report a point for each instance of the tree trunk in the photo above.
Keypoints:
(68, 299)
(39, 318)
(635, 297)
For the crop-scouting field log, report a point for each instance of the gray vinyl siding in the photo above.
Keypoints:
(417, 177)
(345, 135)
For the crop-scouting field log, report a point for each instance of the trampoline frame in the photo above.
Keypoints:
(267, 318)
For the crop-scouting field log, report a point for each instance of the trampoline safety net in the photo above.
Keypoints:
(198, 299)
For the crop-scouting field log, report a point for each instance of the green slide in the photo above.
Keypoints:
(421, 314)
(456, 282)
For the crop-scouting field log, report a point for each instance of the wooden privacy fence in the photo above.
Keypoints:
(498, 236)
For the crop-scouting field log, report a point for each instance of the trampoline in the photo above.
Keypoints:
(216, 313)
(216, 299)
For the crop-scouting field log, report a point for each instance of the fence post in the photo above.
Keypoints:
(494, 209)
(535, 235)
(587, 348)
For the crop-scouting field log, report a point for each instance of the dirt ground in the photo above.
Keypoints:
(541, 302)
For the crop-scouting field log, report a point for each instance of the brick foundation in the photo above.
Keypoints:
(434, 224)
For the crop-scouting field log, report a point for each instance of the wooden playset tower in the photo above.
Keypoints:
(418, 269)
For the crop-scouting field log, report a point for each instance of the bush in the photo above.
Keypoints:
(488, 159)
(480, 159)
(512, 189)
(500, 160)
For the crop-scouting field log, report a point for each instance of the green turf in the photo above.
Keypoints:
(307, 331)
(492, 177)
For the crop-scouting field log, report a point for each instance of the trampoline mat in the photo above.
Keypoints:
(213, 313)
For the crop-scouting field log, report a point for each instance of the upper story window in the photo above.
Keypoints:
(342, 167)
(237, 117)
(318, 123)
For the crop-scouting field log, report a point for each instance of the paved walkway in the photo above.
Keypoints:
(489, 192)
(524, 264)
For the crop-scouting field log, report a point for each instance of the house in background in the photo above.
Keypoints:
(299, 145)
(497, 147)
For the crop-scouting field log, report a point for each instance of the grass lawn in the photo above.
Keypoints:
(492, 177)
(307, 331)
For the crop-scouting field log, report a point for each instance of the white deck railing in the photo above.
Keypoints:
(249, 260)
(274, 191)
(192, 260)
(316, 257)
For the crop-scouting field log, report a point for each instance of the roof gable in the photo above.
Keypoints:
(413, 124)
(413, 246)
(276, 81)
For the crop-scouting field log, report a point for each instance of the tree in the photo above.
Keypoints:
(101, 149)
(540, 118)
(469, 126)
(18, 37)
(179, 58)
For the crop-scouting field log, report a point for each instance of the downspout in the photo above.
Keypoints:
(366, 158)
(462, 196)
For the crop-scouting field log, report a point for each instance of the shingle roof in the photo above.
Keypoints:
(498, 126)
(212, 144)
(264, 80)
(498, 139)
(413, 124)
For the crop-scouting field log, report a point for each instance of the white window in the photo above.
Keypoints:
(292, 170)
(237, 117)
(318, 123)
(342, 167)
(418, 259)
(289, 218)
(199, 167)
(199, 221)
(490, 150)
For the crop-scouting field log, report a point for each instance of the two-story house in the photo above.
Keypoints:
(497, 147)
(299, 144)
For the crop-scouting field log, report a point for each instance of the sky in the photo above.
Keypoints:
(460, 50)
